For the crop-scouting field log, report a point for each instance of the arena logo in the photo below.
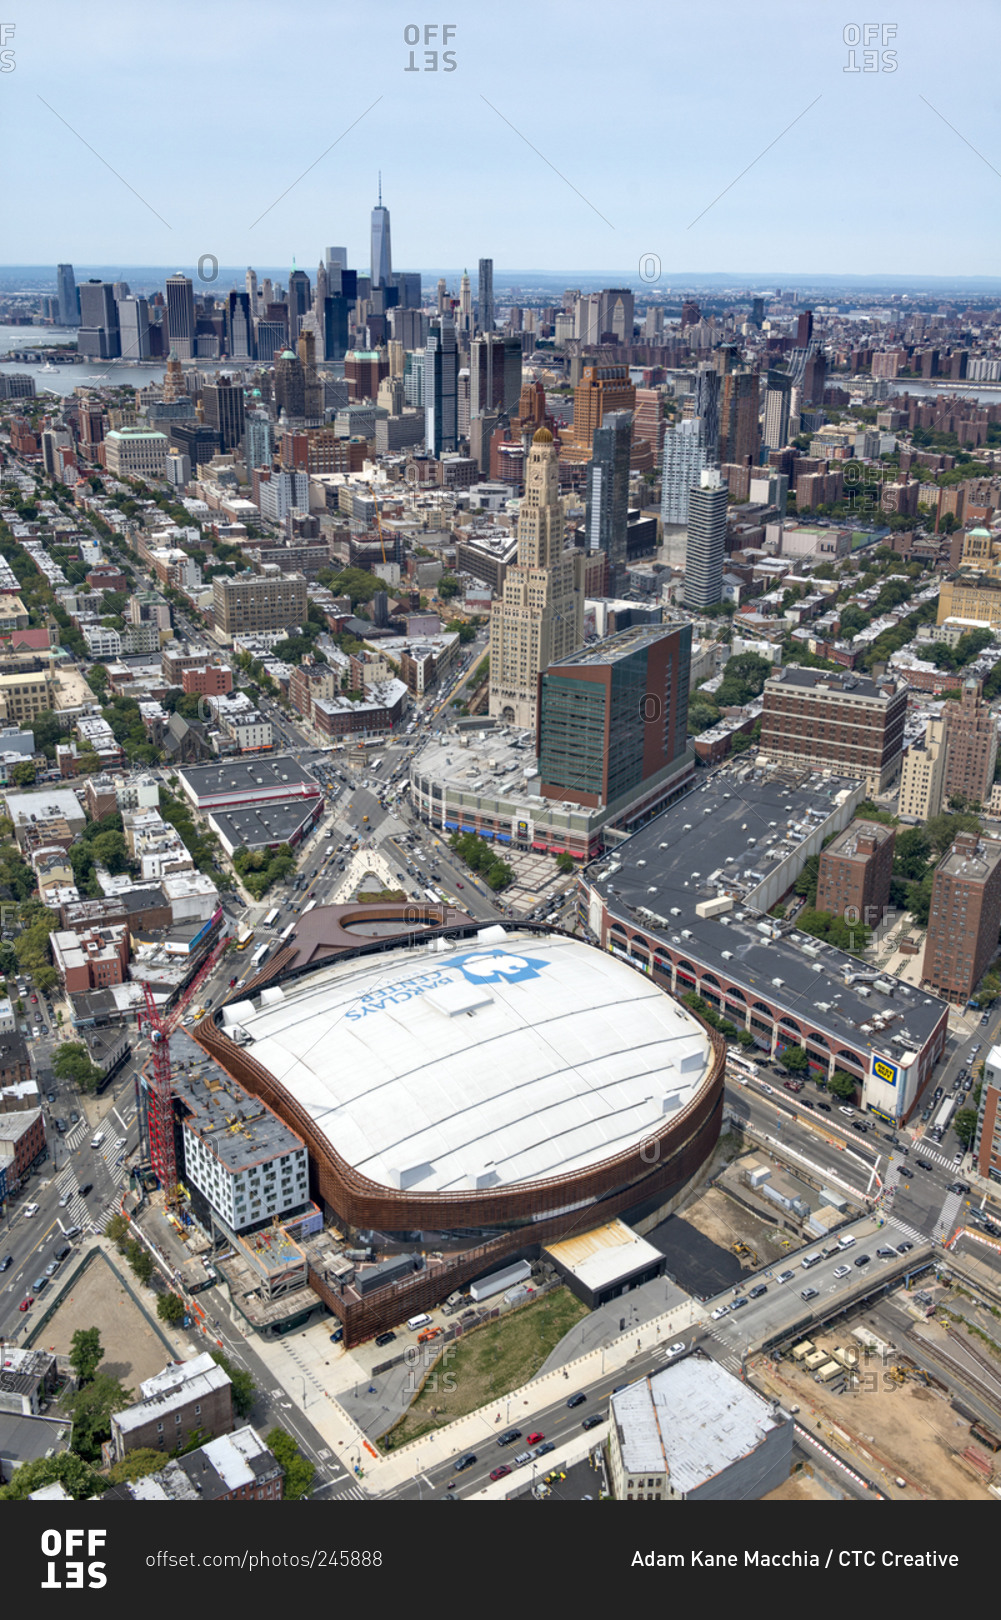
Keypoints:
(486, 967)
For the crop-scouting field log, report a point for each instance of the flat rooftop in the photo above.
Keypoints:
(846, 845)
(502, 758)
(236, 1127)
(245, 776)
(727, 837)
(846, 681)
(522, 1058)
(690, 1421)
(620, 645)
(972, 861)
(260, 825)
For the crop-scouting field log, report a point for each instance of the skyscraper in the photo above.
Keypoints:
(804, 328)
(239, 327)
(465, 306)
(337, 260)
(257, 439)
(299, 299)
(99, 334)
(441, 372)
(69, 313)
(540, 616)
(335, 326)
(684, 462)
(181, 315)
(775, 434)
(133, 325)
(706, 541)
(251, 286)
(290, 385)
(223, 402)
(739, 431)
(382, 254)
(757, 311)
(707, 410)
(495, 373)
(607, 509)
(602, 389)
(485, 296)
(408, 284)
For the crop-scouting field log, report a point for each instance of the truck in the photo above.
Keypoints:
(945, 1113)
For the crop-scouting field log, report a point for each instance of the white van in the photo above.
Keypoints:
(417, 1322)
(810, 1260)
(97, 1140)
(846, 1242)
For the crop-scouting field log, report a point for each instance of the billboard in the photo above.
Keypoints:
(522, 829)
(883, 1069)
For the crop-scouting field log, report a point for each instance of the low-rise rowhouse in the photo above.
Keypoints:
(192, 1397)
(686, 899)
(236, 1467)
(22, 1144)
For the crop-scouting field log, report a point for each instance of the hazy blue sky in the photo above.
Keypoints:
(212, 112)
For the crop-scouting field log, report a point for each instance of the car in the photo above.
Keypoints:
(544, 1449)
(27, 1303)
(676, 1348)
(862, 1260)
(458, 884)
(578, 1399)
(904, 1248)
(721, 1310)
(809, 1293)
(40, 1283)
(885, 1252)
(793, 1085)
(923, 1164)
(769, 1089)
(905, 1153)
(61, 1126)
(466, 1461)
(34, 998)
(65, 1199)
(73, 1231)
(960, 1187)
(857, 1125)
(757, 1291)
(957, 1158)
(337, 1336)
(825, 1108)
(592, 1421)
(508, 1437)
(50, 1097)
(52, 1268)
(844, 1109)
(738, 1304)
(29, 1210)
(985, 1020)
(842, 1271)
(785, 1276)
(501, 1472)
(806, 1104)
(74, 1118)
(6, 1262)
(85, 1191)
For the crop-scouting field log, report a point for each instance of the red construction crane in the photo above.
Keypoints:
(160, 1107)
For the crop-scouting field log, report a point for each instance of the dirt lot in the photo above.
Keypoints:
(809, 1485)
(133, 1348)
(905, 1429)
(725, 1223)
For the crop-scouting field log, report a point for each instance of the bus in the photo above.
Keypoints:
(244, 935)
(290, 930)
(434, 896)
(308, 907)
(744, 1066)
(259, 955)
(272, 917)
(374, 764)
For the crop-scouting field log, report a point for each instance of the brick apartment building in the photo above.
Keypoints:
(971, 736)
(988, 1141)
(22, 1144)
(853, 881)
(256, 602)
(236, 1467)
(208, 680)
(825, 720)
(91, 960)
(964, 917)
(193, 1397)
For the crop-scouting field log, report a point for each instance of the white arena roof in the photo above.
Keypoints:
(512, 1058)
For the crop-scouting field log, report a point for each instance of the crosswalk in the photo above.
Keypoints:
(938, 1158)
(350, 1493)
(898, 1229)
(74, 1137)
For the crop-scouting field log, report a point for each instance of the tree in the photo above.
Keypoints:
(91, 1409)
(244, 1389)
(23, 774)
(140, 1260)
(136, 1465)
(842, 1085)
(299, 1471)
(71, 1061)
(965, 1127)
(942, 829)
(565, 862)
(794, 1058)
(117, 1230)
(448, 587)
(66, 1469)
(806, 883)
(111, 850)
(911, 854)
(86, 1353)
(745, 1038)
(170, 1309)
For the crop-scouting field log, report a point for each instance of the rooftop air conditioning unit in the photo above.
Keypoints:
(726, 955)
(778, 983)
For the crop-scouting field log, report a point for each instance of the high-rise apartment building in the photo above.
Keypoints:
(853, 880)
(223, 403)
(607, 501)
(826, 720)
(706, 543)
(441, 380)
(494, 373)
(382, 253)
(706, 406)
(987, 1146)
(181, 315)
(683, 464)
(971, 737)
(257, 440)
(615, 716)
(964, 917)
(69, 310)
(98, 335)
(485, 296)
(778, 391)
(259, 602)
(739, 431)
(814, 379)
(540, 617)
(922, 775)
